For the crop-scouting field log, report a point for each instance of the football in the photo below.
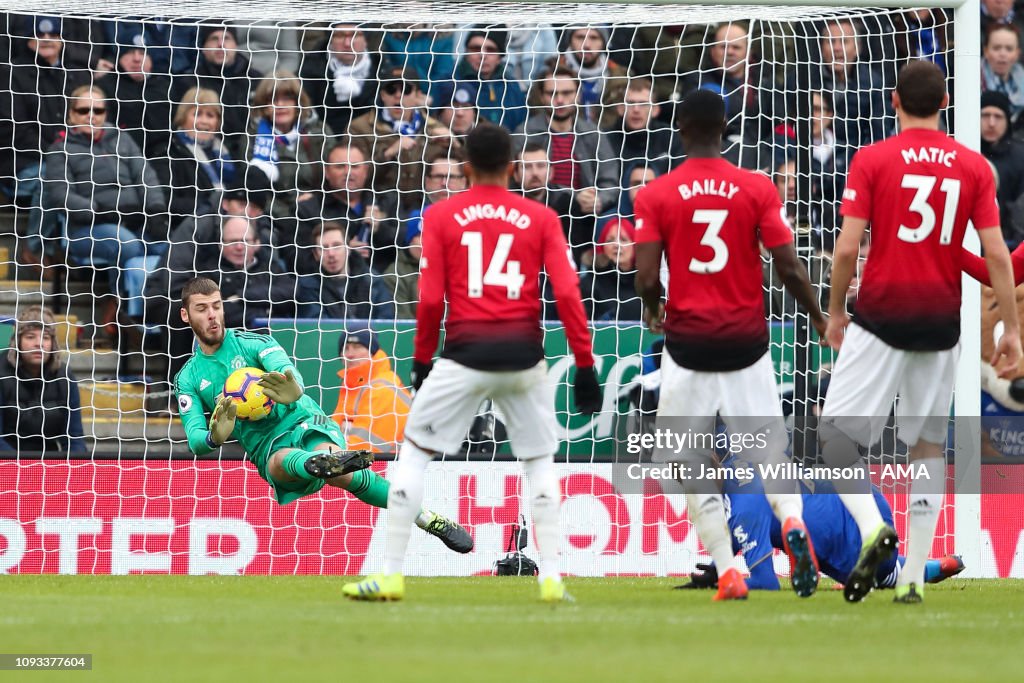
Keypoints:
(242, 386)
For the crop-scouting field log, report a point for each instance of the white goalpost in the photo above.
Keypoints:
(136, 500)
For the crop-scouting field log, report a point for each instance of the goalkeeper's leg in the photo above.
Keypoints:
(326, 457)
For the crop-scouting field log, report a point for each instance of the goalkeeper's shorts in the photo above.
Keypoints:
(306, 436)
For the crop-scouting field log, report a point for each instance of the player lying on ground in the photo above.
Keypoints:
(917, 191)
(483, 252)
(757, 533)
(710, 219)
(297, 448)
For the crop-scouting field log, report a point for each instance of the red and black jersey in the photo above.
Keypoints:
(711, 218)
(917, 190)
(483, 251)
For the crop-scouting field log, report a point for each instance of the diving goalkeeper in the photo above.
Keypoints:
(297, 448)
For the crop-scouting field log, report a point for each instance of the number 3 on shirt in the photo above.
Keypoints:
(714, 219)
(923, 186)
(500, 271)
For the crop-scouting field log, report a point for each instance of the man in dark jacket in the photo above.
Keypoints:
(499, 99)
(343, 288)
(1007, 156)
(141, 99)
(346, 197)
(253, 286)
(341, 80)
(638, 136)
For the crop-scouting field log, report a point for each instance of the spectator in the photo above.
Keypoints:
(252, 284)
(373, 404)
(581, 157)
(1001, 70)
(425, 53)
(863, 113)
(401, 135)
(534, 181)
(171, 46)
(343, 287)
(638, 136)
(100, 186)
(609, 290)
(141, 99)
(347, 198)
(730, 70)
(286, 141)
(999, 13)
(83, 42)
(602, 82)
(499, 99)
(811, 143)
(458, 111)
(528, 51)
(32, 109)
(1007, 156)
(445, 177)
(224, 70)
(198, 164)
(341, 79)
(40, 406)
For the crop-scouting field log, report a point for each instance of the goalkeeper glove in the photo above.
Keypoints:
(281, 388)
(222, 422)
(588, 391)
(420, 372)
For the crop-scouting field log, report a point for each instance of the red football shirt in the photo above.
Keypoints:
(711, 218)
(917, 190)
(484, 250)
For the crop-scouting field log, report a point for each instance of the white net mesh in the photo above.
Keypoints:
(291, 158)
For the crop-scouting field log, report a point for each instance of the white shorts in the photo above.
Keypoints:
(747, 400)
(868, 376)
(445, 406)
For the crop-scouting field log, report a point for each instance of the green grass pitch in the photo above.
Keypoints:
(164, 628)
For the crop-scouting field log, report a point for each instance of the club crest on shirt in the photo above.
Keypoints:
(237, 363)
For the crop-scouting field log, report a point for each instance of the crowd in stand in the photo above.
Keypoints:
(294, 166)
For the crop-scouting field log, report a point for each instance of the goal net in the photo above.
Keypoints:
(289, 153)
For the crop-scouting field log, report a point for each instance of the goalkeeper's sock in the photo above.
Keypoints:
(923, 506)
(369, 487)
(707, 512)
(294, 463)
(372, 489)
(545, 499)
(404, 501)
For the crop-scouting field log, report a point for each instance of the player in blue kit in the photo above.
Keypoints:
(756, 533)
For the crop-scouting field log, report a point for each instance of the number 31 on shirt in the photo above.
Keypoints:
(500, 271)
(923, 185)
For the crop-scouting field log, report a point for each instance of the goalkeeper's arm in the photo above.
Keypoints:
(193, 419)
